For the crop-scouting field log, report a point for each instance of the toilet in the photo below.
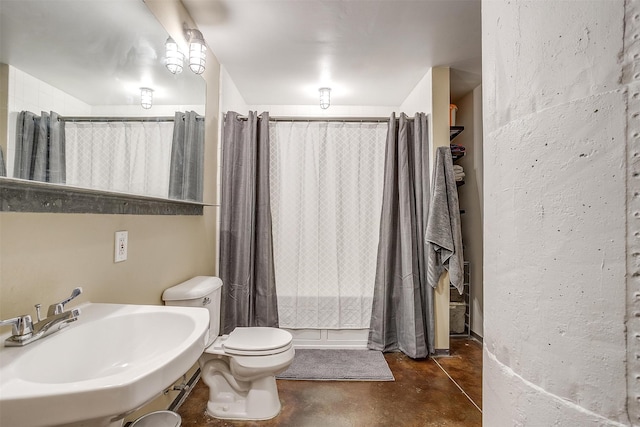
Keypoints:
(240, 368)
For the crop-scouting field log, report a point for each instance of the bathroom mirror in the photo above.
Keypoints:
(89, 59)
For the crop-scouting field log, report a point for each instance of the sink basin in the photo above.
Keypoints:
(111, 361)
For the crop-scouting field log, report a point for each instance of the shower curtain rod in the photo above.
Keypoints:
(323, 119)
(121, 119)
(116, 119)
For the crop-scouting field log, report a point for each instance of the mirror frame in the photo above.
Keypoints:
(30, 196)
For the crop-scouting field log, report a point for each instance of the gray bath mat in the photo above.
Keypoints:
(338, 365)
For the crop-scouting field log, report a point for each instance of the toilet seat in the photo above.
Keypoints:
(257, 341)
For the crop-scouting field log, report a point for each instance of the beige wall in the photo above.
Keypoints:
(44, 256)
(470, 197)
(440, 137)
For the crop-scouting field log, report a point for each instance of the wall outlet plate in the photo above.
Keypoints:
(121, 246)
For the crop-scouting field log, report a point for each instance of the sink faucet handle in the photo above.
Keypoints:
(22, 325)
(59, 307)
(38, 316)
(77, 291)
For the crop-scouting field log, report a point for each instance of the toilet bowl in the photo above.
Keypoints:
(238, 368)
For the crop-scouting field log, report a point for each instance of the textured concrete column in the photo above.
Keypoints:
(555, 164)
(631, 80)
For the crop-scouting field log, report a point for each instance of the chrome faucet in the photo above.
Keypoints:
(24, 331)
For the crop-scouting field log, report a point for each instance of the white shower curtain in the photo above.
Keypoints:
(326, 198)
(130, 157)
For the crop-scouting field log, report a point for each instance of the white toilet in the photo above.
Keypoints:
(239, 368)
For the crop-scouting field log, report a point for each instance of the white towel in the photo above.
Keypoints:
(458, 173)
(443, 235)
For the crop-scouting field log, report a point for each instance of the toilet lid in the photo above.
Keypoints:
(256, 340)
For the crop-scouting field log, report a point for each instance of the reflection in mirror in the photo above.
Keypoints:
(71, 79)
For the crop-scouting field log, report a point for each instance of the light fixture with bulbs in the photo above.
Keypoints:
(146, 97)
(197, 54)
(197, 51)
(174, 57)
(325, 97)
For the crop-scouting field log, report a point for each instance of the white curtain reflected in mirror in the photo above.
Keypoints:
(126, 155)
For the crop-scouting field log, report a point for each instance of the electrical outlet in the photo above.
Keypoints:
(121, 246)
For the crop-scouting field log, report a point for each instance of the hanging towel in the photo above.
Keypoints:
(443, 236)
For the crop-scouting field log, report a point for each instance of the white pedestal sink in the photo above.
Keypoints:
(110, 362)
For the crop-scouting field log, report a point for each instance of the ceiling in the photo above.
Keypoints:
(99, 51)
(370, 52)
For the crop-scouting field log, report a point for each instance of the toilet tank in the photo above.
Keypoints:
(201, 291)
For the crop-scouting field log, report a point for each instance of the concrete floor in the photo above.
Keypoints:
(443, 391)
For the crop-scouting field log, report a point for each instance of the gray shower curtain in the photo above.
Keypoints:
(246, 249)
(187, 154)
(40, 147)
(3, 169)
(402, 317)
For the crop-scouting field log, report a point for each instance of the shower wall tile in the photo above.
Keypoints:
(29, 93)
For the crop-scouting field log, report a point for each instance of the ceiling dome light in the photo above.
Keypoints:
(325, 97)
(173, 56)
(146, 97)
(197, 51)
